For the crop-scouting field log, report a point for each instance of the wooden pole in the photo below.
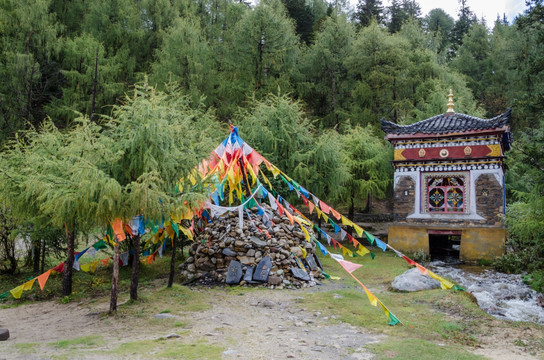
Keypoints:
(115, 278)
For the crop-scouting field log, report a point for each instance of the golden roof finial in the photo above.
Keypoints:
(450, 103)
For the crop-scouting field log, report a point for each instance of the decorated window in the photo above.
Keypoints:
(445, 192)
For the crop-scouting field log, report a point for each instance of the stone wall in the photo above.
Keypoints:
(489, 199)
(405, 191)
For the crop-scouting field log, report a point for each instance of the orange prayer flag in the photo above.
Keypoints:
(105, 261)
(311, 206)
(42, 279)
(117, 226)
(336, 214)
(289, 216)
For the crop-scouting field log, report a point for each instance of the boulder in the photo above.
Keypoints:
(413, 280)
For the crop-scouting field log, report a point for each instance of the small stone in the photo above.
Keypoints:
(267, 303)
(165, 316)
(4, 334)
(274, 280)
(230, 352)
(279, 272)
(257, 242)
(251, 252)
(173, 336)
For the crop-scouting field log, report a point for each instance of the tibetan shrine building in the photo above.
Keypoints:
(449, 185)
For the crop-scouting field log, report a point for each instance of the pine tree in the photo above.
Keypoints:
(368, 10)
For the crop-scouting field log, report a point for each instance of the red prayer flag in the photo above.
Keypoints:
(59, 268)
(408, 260)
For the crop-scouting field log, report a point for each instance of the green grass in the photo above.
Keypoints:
(26, 348)
(167, 349)
(411, 348)
(83, 341)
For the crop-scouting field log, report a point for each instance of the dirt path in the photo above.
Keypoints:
(258, 325)
(263, 324)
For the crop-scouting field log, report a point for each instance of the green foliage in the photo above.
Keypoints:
(278, 129)
(367, 159)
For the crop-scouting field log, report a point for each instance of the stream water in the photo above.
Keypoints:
(502, 295)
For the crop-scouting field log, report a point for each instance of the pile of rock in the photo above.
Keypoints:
(271, 254)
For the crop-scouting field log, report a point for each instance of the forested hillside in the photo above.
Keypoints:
(307, 81)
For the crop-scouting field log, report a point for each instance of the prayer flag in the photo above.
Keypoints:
(17, 292)
(28, 285)
(42, 279)
(348, 265)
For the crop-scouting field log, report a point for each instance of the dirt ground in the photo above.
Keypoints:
(267, 324)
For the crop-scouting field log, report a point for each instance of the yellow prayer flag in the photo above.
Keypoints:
(373, 299)
(93, 265)
(304, 253)
(28, 285)
(17, 292)
(346, 221)
(186, 232)
(85, 267)
(358, 229)
(362, 250)
(306, 234)
(319, 212)
(325, 217)
(344, 250)
(170, 231)
(444, 284)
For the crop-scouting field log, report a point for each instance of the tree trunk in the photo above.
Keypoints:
(69, 263)
(172, 263)
(368, 208)
(43, 256)
(351, 212)
(36, 252)
(95, 81)
(135, 268)
(114, 278)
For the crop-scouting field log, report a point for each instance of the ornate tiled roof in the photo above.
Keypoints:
(448, 123)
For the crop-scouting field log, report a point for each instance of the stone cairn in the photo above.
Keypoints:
(224, 253)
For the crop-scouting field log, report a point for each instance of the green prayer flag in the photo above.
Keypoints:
(394, 320)
(109, 232)
(458, 288)
(251, 203)
(327, 276)
(4, 295)
(372, 255)
(100, 245)
(175, 226)
(370, 238)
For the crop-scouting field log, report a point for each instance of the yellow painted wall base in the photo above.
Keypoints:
(476, 243)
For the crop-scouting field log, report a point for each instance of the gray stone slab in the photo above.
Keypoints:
(318, 261)
(234, 273)
(300, 274)
(263, 269)
(310, 260)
